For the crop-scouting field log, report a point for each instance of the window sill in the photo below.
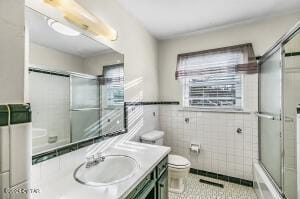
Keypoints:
(185, 109)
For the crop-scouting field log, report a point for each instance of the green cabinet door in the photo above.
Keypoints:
(162, 186)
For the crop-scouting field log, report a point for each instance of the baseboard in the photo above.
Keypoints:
(226, 178)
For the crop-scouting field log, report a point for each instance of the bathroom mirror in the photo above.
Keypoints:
(76, 85)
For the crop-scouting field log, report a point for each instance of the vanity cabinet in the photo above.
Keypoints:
(162, 186)
(154, 185)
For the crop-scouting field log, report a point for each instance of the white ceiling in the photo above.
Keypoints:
(170, 18)
(42, 34)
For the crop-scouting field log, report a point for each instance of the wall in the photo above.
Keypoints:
(15, 144)
(222, 149)
(262, 34)
(138, 46)
(48, 58)
(12, 51)
(142, 119)
(94, 65)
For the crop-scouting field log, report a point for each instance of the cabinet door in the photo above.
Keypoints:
(162, 186)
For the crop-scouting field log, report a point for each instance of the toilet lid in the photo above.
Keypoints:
(178, 161)
(152, 135)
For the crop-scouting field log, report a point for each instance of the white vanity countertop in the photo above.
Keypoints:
(54, 178)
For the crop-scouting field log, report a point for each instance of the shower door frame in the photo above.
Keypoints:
(261, 61)
(279, 45)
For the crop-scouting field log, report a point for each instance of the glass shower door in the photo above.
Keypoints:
(291, 85)
(269, 116)
(85, 108)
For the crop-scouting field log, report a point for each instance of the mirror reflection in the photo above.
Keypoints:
(76, 85)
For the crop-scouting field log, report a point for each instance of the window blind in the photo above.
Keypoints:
(212, 78)
(113, 79)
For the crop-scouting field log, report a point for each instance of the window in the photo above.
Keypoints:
(114, 85)
(213, 78)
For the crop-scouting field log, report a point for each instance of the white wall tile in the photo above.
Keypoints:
(16, 194)
(222, 149)
(142, 119)
(4, 149)
(49, 97)
(20, 153)
(4, 184)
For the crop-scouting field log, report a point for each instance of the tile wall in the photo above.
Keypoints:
(142, 119)
(111, 121)
(15, 151)
(223, 150)
(50, 98)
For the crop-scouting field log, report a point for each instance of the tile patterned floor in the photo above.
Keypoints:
(197, 190)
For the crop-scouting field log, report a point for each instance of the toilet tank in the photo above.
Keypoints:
(153, 137)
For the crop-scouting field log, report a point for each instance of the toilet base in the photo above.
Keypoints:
(176, 185)
(176, 179)
(178, 169)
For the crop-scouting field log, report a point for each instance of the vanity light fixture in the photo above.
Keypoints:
(61, 28)
(80, 17)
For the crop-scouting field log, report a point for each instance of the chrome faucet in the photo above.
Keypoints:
(93, 160)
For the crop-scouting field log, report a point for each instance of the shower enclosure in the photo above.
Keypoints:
(71, 107)
(279, 85)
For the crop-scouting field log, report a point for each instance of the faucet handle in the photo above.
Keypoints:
(98, 155)
(90, 158)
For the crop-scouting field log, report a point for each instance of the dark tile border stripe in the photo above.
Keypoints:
(212, 183)
(75, 146)
(226, 178)
(71, 147)
(3, 115)
(151, 103)
(292, 54)
(19, 113)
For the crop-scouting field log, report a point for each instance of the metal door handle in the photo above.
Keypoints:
(271, 117)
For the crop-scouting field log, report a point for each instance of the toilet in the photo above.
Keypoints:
(178, 166)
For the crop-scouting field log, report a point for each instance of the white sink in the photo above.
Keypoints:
(114, 169)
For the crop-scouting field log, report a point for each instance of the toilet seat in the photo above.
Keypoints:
(178, 162)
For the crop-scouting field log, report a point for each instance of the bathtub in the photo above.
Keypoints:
(264, 188)
(40, 141)
(39, 137)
